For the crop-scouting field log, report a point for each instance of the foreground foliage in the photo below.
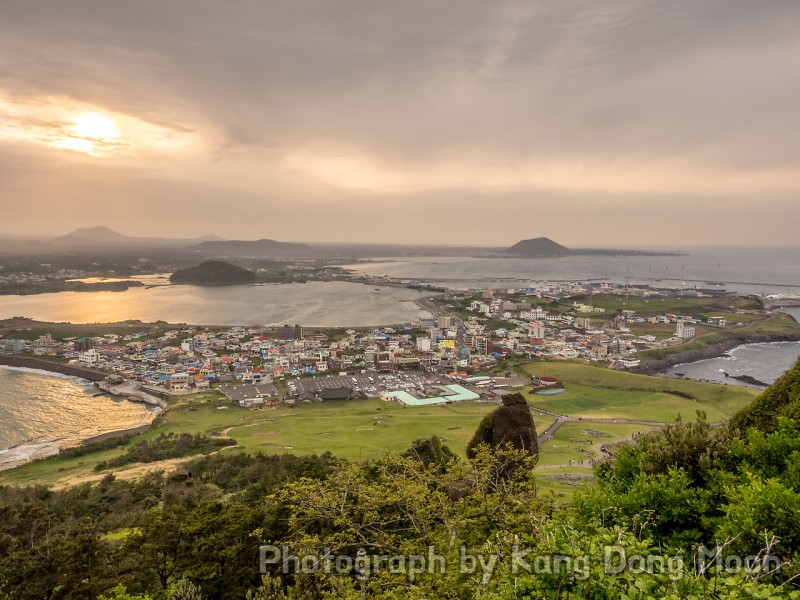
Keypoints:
(693, 511)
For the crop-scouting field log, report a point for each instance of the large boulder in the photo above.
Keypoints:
(510, 424)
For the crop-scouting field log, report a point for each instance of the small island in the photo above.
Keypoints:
(542, 247)
(213, 272)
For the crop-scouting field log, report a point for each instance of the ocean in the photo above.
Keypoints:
(40, 412)
(316, 303)
(745, 270)
(764, 362)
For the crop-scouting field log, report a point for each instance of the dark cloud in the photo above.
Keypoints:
(359, 105)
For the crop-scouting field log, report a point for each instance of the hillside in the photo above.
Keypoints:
(540, 247)
(781, 399)
(213, 272)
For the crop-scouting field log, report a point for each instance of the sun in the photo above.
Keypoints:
(91, 133)
(94, 126)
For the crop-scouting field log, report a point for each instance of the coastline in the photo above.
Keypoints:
(36, 449)
(38, 364)
(33, 450)
(714, 350)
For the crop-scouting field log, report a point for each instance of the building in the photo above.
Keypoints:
(424, 344)
(629, 363)
(684, 331)
(13, 346)
(179, 382)
(586, 308)
(445, 322)
(536, 330)
(717, 321)
(288, 332)
(90, 358)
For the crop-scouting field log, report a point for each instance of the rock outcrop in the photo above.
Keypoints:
(510, 424)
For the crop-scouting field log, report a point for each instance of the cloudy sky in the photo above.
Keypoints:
(616, 123)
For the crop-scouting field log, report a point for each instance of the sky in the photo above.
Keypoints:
(620, 123)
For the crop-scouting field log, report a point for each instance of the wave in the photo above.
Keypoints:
(74, 378)
(26, 452)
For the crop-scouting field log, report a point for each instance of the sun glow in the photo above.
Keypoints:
(91, 133)
(95, 126)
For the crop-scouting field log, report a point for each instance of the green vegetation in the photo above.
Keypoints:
(651, 307)
(580, 443)
(196, 532)
(596, 392)
(781, 399)
(166, 446)
(213, 272)
(356, 429)
(366, 428)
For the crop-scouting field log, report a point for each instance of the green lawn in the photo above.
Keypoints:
(576, 442)
(659, 306)
(355, 429)
(582, 442)
(596, 392)
(563, 482)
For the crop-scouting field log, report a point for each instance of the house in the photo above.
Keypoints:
(201, 383)
(717, 321)
(684, 331)
(179, 382)
(629, 363)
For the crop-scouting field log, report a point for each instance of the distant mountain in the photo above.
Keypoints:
(213, 272)
(93, 238)
(257, 249)
(209, 238)
(540, 247)
(97, 234)
(543, 247)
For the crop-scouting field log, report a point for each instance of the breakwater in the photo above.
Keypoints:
(26, 362)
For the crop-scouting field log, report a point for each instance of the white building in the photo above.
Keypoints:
(684, 331)
(13, 346)
(90, 358)
(424, 344)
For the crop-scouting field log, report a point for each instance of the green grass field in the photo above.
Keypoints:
(659, 306)
(582, 441)
(579, 443)
(353, 430)
(366, 428)
(596, 392)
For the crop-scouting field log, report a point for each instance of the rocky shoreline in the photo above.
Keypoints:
(656, 366)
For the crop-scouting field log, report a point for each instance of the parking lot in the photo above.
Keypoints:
(371, 384)
(248, 392)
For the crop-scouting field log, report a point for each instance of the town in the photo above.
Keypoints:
(442, 357)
